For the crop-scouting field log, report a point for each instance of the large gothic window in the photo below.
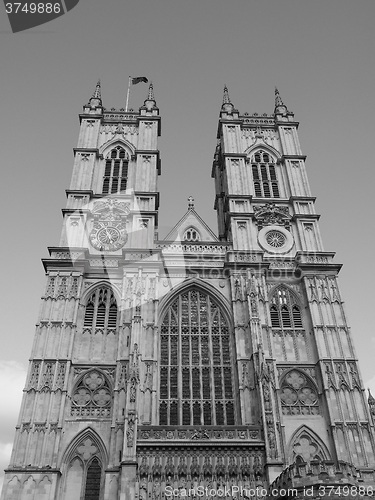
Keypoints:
(196, 375)
(264, 176)
(101, 310)
(116, 171)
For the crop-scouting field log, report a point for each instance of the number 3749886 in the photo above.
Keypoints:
(346, 491)
(32, 8)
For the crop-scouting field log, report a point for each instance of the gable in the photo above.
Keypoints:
(191, 220)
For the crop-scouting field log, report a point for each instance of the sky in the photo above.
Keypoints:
(319, 53)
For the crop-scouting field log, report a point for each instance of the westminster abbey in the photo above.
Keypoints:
(208, 359)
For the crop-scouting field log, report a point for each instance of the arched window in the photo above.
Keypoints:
(264, 176)
(196, 374)
(289, 340)
(93, 476)
(116, 171)
(285, 312)
(101, 310)
(84, 472)
(92, 396)
(298, 395)
(191, 234)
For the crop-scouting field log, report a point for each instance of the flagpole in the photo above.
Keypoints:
(127, 95)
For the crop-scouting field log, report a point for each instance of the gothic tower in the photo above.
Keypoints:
(198, 360)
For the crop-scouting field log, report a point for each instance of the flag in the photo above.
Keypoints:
(139, 79)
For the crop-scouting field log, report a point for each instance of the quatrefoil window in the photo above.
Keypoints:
(92, 397)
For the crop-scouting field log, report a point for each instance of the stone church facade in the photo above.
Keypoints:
(201, 359)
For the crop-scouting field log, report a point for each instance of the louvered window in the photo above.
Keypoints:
(101, 310)
(196, 373)
(284, 311)
(116, 171)
(264, 176)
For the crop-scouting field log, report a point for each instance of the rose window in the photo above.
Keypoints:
(298, 395)
(275, 239)
(92, 397)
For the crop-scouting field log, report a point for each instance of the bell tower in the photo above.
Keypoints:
(77, 425)
(312, 398)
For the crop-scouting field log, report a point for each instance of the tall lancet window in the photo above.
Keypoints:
(285, 312)
(101, 310)
(289, 339)
(196, 372)
(116, 171)
(264, 175)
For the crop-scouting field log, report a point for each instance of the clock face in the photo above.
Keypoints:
(108, 236)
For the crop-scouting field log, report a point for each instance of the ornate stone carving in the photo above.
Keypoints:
(147, 384)
(130, 430)
(143, 468)
(47, 376)
(73, 292)
(215, 434)
(34, 376)
(271, 214)
(63, 288)
(151, 289)
(87, 449)
(109, 220)
(341, 374)
(122, 380)
(354, 375)
(237, 288)
(50, 292)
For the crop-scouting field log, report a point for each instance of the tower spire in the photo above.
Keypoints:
(151, 96)
(280, 107)
(226, 98)
(278, 100)
(98, 91)
(96, 98)
(150, 102)
(227, 105)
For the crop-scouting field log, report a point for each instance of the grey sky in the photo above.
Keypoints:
(319, 53)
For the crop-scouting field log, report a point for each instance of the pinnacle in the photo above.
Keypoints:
(226, 98)
(151, 96)
(190, 203)
(98, 91)
(278, 100)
